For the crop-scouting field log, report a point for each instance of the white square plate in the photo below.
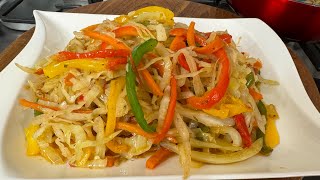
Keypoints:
(297, 154)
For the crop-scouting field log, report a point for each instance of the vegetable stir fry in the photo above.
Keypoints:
(142, 85)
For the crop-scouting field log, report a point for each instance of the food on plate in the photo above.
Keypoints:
(142, 85)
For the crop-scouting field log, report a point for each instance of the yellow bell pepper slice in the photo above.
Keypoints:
(115, 89)
(228, 107)
(272, 112)
(32, 145)
(272, 138)
(122, 19)
(57, 68)
(167, 15)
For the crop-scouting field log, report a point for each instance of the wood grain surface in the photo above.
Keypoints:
(180, 8)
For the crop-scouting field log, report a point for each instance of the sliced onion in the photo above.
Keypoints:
(197, 84)
(211, 37)
(50, 153)
(161, 33)
(260, 121)
(97, 163)
(267, 81)
(203, 118)
(193, 74)
(162, 50)
(172, 147)
(98, 127)
(164, 103)
(185, 147)
(167, 73)
(26, 69)
(64, 150)
(91, 95)
(232, 132)
(230, 157)
(185, 95)
(201, 144)
(144, 30)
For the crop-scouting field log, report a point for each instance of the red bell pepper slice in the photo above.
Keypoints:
(243, 129)
(225, 37)
(170, 113)
(115, 63)
(183, 62)
(213, 96)
(103, 53)
(103, 45)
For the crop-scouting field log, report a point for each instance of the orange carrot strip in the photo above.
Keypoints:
(126, 31)
(178, 43)
(68, 78)
(256, 96)
(111, 160)
(157, 158)
(36, 106)
(212, 47)
(150, 81)
(39, 107)
(170, 113)
(108, 39)
(134, 129)
(183, 32)
(190, 35)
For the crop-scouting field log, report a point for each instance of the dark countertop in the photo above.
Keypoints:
(7, 36)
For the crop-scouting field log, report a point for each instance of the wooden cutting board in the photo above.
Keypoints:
(180, 8)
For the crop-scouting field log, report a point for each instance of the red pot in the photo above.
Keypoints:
(289, 18)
